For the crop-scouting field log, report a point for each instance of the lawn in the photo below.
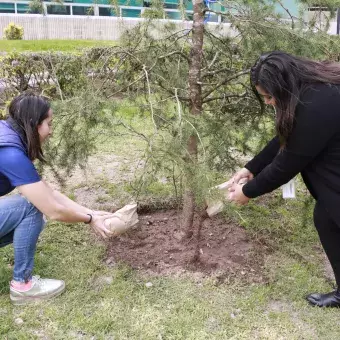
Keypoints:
(49, 45)
(113, 301)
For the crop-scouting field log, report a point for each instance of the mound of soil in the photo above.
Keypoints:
(158, 245)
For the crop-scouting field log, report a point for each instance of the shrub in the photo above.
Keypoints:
(58, 75)
(36, 7)
(153, 13)
(14, 32)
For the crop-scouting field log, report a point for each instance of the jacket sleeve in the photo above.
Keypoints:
(265, 157)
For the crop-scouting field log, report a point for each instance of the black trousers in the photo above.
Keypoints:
(329, 233)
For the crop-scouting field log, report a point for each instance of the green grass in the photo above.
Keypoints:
(103, 302)
(49, 45)
(114, 303)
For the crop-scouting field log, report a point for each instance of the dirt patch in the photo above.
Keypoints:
(112, 168)
(157, 245)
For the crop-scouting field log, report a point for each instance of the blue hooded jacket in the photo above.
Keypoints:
(15, 166)
(10, 137)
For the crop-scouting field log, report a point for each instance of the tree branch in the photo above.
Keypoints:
(135, 81)
(168, 90)
(288, 12)
(242, 95)
(225, 81)
(127, 86)
(149, 92)
(212, 73)
(173, 53)
(212, 62)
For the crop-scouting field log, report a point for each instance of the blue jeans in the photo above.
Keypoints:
(20, 223)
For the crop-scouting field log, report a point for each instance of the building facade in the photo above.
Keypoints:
(122, 8)
(104, 20)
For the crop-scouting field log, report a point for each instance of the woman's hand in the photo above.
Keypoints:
(97, 224)
(243, 174)
(236, 194)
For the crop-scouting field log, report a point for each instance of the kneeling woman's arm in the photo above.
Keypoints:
(45, 200)
(67, 202)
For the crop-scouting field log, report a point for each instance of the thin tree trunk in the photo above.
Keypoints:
(189, 195)
(195, 93)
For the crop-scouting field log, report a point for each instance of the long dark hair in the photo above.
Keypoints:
(285, 77)
(26, 112)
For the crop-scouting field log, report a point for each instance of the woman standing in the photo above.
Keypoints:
(306, 98)
(21, 216)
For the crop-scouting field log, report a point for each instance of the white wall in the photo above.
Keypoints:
(63, 27)
(73, 27)
(93, 27)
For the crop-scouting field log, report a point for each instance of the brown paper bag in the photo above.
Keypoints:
(122, 220)
(216, 206)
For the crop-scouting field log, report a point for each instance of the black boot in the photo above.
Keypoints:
(325, 300)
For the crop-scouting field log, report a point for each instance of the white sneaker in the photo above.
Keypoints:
(42, 289)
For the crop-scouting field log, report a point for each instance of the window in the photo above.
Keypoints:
(23, 9)
(171, 2)
(212, 17)
(107, 12)
(174, 15)
(170, 6)
(135, 3)
(58, 10)
(131, 13)
(82, 10)
(7, 7)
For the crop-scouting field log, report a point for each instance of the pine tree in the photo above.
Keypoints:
(195, 85)
(192, 84)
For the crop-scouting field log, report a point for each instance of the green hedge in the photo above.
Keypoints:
(58, 75)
